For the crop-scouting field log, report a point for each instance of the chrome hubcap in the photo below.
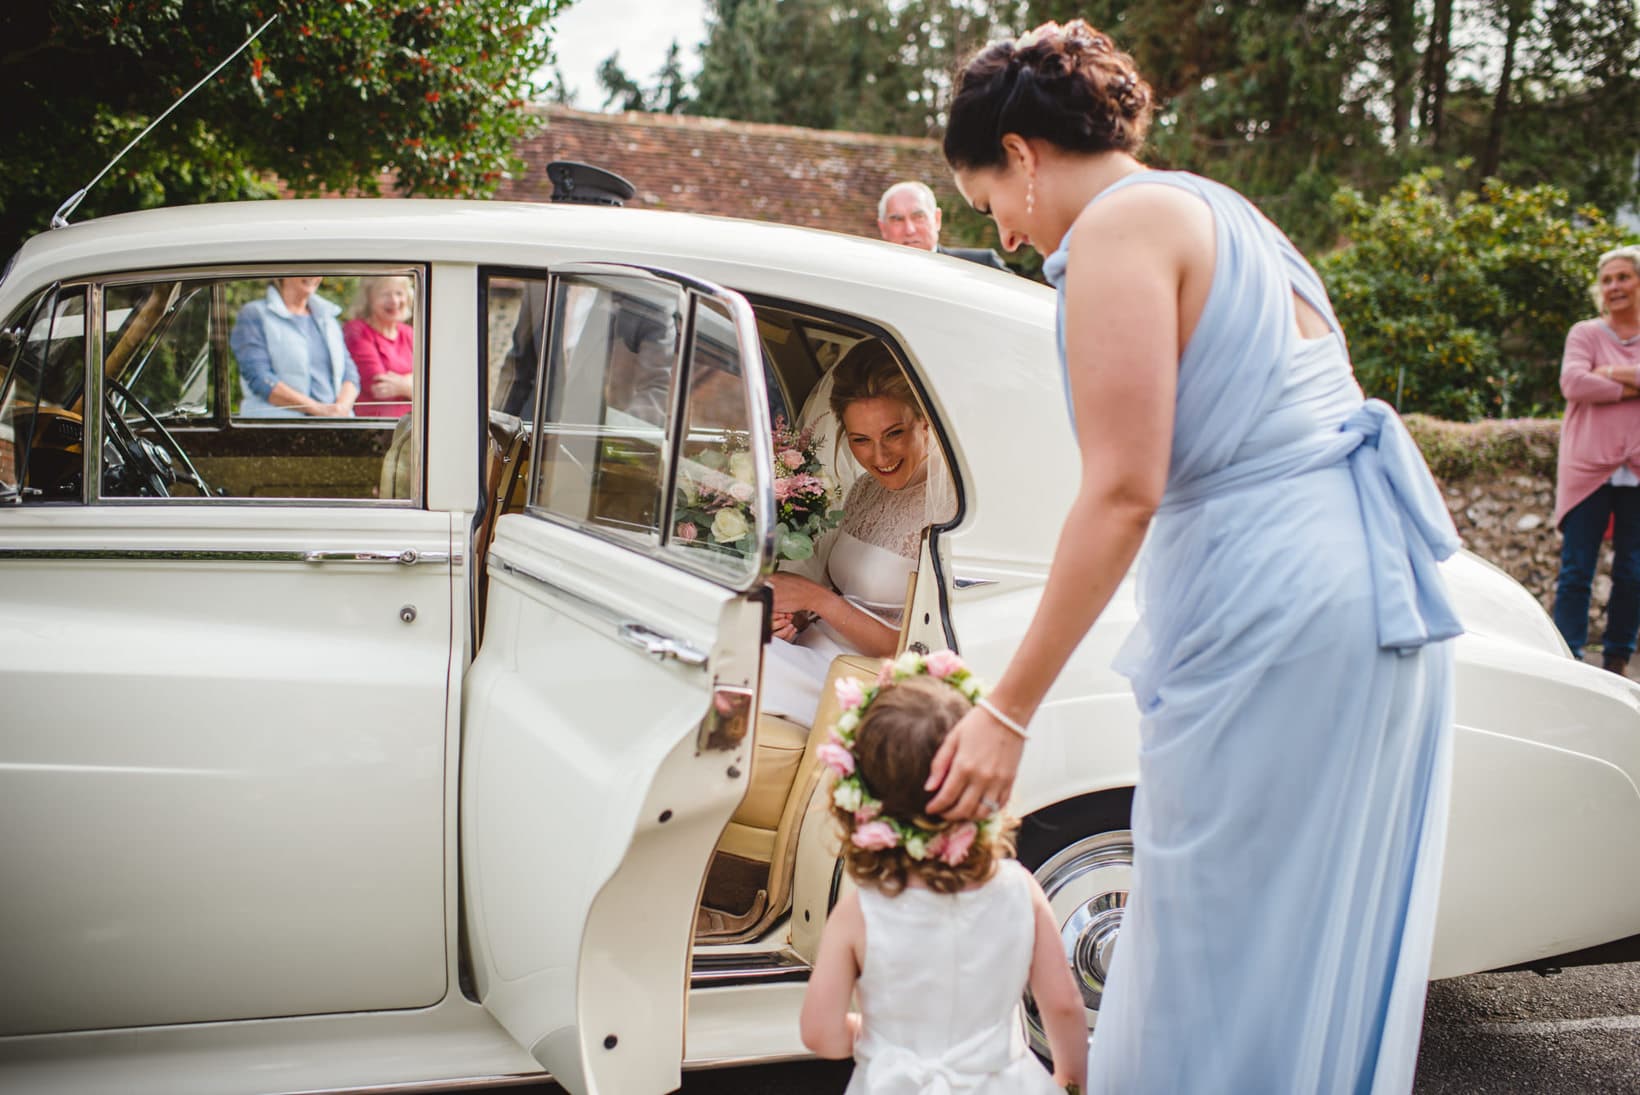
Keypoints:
(1087, 885)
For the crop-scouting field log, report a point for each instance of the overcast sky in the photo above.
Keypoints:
(640, 29)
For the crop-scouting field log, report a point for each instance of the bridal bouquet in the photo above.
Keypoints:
(716, 487)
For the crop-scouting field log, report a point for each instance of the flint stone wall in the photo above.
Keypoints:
(1498, 477)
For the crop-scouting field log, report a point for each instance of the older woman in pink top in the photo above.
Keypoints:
(1599, 474)
(382, 343)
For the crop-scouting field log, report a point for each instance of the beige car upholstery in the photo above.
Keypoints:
(775, 763)
(398, 466)
(780, 842)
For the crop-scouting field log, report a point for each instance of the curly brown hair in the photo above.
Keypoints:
(1068, 84)
(893, 749)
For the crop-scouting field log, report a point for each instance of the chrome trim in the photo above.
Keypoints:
(652, 642)
(500, 560)
(91, 398)
(629, 631)
(435, 1087)
(408, 557)
(707, 970)
(241, 556)
(699, 1064)
(972, 583)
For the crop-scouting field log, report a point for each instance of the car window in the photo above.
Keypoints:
(713, 506)
(278, 385)
(612, 354)
(42, 382)
(514, 323)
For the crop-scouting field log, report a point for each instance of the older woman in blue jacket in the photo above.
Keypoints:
(292, 360)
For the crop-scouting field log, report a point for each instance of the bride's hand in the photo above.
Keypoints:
(974, 769)
(794, 593)
(783, 626)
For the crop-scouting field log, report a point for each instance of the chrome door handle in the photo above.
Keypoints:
(660, 646)
(407, 557)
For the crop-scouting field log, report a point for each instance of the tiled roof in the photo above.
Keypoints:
(810, 177)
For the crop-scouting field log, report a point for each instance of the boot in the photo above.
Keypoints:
(1616, 663)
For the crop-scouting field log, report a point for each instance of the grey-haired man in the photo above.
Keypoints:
(908, 214)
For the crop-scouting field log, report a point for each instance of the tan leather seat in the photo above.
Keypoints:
(399, 464)
(775, 763)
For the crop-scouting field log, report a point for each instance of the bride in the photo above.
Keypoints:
(856, 606)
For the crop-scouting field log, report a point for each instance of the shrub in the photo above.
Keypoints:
(1459, 306)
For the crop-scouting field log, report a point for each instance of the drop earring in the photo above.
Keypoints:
(1030, 197)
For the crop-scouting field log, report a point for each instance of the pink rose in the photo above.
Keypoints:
(782, 489)
(850, 694)
(685, 532)
(791, 458)
(837, 758)
(943, 663)
(740, 492)
(954, 843)
(875, 836)
(868, 812)
(885, 675)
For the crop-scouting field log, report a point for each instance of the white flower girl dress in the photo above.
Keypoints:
(941, 988)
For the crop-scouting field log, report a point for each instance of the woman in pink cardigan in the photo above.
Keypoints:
(1599, 461)
(382, 342)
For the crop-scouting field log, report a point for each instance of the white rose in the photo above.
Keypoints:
(916, 845)
(847, 796)
(908, 664)
(728, 526)
(848, 722)
(743, 467)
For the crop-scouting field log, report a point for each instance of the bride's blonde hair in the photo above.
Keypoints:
(870, 371)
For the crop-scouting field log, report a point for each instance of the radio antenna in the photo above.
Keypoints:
(59, 219)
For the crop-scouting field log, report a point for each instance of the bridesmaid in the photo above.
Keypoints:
(1290, 663)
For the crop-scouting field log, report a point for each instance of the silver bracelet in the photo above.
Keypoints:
(996, 713)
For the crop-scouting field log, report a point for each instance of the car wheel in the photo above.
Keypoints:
(1082, 855)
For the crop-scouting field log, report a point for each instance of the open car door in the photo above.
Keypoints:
(609, 712)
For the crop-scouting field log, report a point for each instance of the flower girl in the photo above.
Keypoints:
(946, 928)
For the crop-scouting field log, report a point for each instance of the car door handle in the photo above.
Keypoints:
(661, 646)
(407, 557)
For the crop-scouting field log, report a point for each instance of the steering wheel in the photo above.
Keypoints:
(135, 465)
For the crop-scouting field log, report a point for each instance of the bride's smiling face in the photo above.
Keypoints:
(888, 439)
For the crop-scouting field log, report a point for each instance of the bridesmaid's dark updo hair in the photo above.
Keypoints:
(1068, 84)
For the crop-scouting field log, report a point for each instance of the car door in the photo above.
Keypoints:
(609, 710)
(223, 723)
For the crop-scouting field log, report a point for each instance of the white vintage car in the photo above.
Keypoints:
(388, 751)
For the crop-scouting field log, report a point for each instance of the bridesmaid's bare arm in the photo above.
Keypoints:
(1134, 290)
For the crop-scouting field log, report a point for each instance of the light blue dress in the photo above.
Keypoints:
(1296, 708)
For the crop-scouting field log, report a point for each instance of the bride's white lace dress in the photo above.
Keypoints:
(869, 560)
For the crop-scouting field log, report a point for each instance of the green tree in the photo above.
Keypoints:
(620, 90)
(668, 94)
(1457, 305)
(335, 93)
(874, 66)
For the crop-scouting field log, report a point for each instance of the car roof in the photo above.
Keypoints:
(982, 337)
(505, 233)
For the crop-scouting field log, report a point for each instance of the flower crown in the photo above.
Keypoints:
(872, 830)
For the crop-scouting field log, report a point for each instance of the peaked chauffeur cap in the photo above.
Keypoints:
(588, 185)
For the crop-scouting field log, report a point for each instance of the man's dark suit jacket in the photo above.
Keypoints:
(982, 255)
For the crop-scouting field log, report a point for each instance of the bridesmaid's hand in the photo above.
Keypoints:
(975, 768)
